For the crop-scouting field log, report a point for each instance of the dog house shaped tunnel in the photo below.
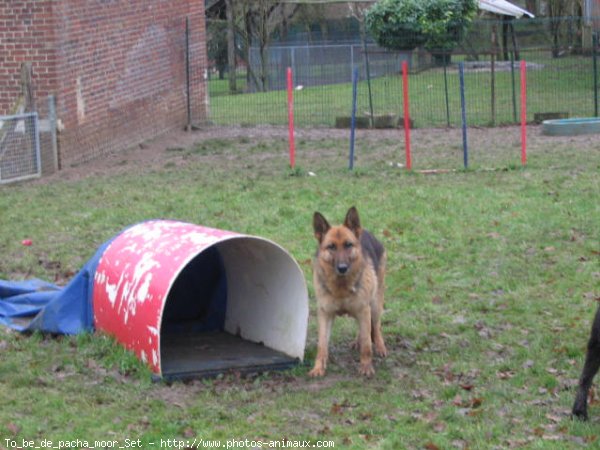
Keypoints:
(191, 300)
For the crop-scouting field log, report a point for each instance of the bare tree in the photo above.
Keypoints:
(533, 6)
(256, 21)
(557, 10)
(358, 10)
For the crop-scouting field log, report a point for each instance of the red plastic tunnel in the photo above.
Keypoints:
(191, 300)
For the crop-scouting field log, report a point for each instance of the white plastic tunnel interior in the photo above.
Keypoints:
(239, 305)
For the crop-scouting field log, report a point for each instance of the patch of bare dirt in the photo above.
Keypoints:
(155, 153)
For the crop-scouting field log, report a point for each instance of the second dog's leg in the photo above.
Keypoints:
(592, 364)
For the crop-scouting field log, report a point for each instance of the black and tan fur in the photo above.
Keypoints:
(348, 276)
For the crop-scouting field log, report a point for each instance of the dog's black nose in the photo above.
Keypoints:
(342, 268)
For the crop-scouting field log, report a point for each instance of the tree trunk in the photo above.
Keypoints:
(231, 46)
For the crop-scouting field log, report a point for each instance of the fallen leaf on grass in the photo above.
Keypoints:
(421, 394)
(528, 364)
(505, 374)
(459, 443)
(552, 437)
(457, 401)
(340, 408)
(470, 403)
(483, 331)
(439, 427)
(337, 409)
(476, 402)
(554, 418)
(365, 416)
(591, 296)
(13, 428)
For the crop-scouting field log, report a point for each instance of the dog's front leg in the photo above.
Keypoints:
(364, 343)
(592, 364)
(325, 323)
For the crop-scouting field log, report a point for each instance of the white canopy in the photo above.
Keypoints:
(503, 7)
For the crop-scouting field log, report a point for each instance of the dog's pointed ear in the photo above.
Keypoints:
(352, 221)
(320, 226)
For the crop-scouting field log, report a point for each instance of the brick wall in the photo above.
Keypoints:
(26, 35)
(117, 68)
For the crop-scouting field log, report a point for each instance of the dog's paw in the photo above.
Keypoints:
(317, 372)
(380, 350)
(366, 369)
(579, 415)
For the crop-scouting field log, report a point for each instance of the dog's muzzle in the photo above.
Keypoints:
(342, 269)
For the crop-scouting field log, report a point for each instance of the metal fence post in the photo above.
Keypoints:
(595, 66)
(368, 82)
(493, 87)
(446, 95)
(36, 140)
(53, 136)
(293, 62)
(351, 61)
(514, 94)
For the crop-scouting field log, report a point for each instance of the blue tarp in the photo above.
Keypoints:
(36, 305)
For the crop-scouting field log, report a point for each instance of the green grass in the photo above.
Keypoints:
(491, 287)
(564, 84)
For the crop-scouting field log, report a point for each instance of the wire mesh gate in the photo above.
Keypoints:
(20, 157)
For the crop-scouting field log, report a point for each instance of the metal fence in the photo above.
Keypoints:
(317, 65)
(562, 77)
(20, 157)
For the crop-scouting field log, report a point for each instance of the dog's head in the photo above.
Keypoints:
(339, 246)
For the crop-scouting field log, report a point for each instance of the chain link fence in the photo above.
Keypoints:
(20, 157)
(29, 143)
(561, 61)
(321, 64)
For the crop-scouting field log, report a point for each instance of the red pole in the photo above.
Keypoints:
(523, 113)
(290, 89)
(406, 114)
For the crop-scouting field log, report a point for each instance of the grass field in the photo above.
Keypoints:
(493, 279)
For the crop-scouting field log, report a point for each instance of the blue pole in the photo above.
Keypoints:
(353, 120)
(461, 71)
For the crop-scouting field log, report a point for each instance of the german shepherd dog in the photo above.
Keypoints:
(348, 276)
